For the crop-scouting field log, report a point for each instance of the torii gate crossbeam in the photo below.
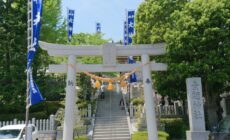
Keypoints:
(91, 50)
(63, 68)
(109, 52)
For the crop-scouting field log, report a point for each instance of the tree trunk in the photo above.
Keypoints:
(8, 71)
(210, 108)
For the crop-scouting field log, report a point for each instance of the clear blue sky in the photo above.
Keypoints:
(110, 13)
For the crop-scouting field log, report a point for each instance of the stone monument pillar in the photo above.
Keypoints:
(196, 110)
(223, 104)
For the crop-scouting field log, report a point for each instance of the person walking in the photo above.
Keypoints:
(102, 91)
(122, 104)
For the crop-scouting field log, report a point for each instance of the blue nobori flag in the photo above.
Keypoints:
(98, 27)
(35, 95)
(130, 32)
(70, 23)
(133, 77)
(36, 25)
(125, 33)
(130, 24)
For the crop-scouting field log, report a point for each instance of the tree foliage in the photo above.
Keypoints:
(13, 50)
(153, 19)
(199, 44)
(53, 30)
(13, 44)
(84, 81)
(197, 36)
(88, 39)
(53, 25)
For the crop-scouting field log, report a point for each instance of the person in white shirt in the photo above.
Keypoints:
(102, 91)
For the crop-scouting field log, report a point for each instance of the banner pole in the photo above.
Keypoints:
(27, 104)
(127, 27)
(67, 25)
(29, 43)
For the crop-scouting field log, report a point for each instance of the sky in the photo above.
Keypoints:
(110, 13)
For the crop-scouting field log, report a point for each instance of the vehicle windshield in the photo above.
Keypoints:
(9, 134)
(224, 126)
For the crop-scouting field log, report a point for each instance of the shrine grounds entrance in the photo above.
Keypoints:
(109, 52)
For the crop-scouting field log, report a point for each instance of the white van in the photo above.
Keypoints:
(16, 132)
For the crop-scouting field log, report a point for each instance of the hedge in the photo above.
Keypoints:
(175, 127)
(143, 135)
(38, 111)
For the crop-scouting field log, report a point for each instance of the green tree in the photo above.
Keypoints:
(88, 39)
(84, 81)
(13, 50)
(53, 30)
(153, 19)
(53, 25)
(13, 44)
(198, 44)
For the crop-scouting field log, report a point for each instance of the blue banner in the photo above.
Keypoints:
(70, 23)
(35, 95)
(36, 18)
(133, 77)
(98, 27)
(125, 33)
(130, 32)
(130, 21)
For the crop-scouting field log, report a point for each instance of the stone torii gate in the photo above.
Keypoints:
(109, 52)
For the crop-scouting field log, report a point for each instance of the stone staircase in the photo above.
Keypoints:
(111, 122)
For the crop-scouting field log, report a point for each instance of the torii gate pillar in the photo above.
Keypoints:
(148, 94)
(70, 99)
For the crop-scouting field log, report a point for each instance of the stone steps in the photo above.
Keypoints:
(109, 115)
(123, 117)
(110, 126)
(111, 122)
(120, 130)
(111, 135)
(122, 122)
